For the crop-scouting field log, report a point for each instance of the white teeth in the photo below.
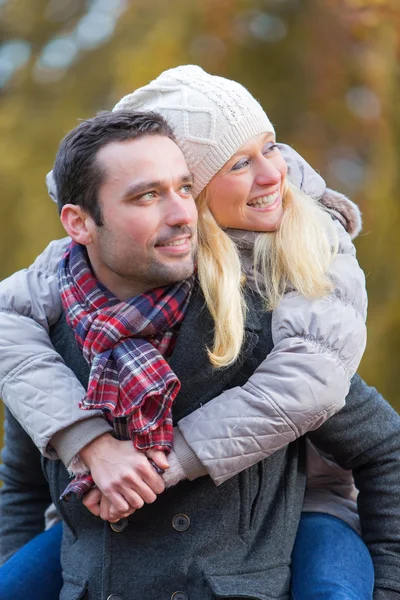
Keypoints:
(177, 242)
(265, 200)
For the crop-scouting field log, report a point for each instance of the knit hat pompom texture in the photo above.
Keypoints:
(212, 117)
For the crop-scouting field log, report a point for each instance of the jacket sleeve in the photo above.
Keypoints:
(41, 392)
(365, 437)
(25, 494)
(318, 345)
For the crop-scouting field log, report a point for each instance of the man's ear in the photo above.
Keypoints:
(77, 223)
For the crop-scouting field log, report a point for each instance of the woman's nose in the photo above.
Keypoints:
(267, 173)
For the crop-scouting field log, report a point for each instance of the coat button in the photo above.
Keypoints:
(118, 527)
(115, 597)
(179, 596)
(181, 523)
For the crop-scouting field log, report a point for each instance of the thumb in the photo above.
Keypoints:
(159, 458)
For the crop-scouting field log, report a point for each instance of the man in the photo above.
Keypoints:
(139, 232)
(196, 541)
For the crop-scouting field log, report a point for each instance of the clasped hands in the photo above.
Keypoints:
(124, 477)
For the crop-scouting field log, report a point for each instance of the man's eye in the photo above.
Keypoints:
(187, 188)
(241, 164)
(148, 196)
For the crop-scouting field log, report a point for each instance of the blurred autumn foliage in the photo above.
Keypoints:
(327, 72)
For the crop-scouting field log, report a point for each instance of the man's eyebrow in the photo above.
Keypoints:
(142, 186)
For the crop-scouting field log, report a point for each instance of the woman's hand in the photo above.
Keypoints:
(123, 475)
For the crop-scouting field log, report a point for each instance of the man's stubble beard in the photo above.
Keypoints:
(168, 274)
(155, 273)
(159, 275)
(147, 270)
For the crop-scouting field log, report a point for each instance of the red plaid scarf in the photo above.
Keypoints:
(125, 344)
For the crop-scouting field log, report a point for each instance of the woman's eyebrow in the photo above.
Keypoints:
(269, 137)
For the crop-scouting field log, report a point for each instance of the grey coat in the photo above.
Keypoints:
(25, 494)
(235, 540)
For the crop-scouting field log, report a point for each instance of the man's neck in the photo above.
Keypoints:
(120, 287)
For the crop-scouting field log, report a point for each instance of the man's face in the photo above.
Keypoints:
(148, 238)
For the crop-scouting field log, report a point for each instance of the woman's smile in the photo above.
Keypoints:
(266, 203)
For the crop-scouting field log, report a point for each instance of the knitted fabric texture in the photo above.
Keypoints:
(212, 117)
(125, 344)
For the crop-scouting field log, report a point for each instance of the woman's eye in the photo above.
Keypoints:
(239, 165)
(269, 148)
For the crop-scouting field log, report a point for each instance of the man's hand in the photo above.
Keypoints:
(123, 474)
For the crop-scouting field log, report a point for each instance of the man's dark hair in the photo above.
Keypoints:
(77, 173)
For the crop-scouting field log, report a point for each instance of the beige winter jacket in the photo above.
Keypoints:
(318, 346)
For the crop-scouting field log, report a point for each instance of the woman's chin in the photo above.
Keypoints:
(268, 224)
(256, 220)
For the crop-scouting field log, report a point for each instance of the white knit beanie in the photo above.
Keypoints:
(212, 117)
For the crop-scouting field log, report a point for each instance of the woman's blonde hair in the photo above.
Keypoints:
(295, 256)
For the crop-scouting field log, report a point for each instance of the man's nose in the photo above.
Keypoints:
(181, 211)
(267, 173)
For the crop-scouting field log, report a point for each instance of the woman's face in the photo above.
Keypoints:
(247, 192)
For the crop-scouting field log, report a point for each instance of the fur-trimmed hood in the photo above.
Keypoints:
(344, 210)
(306, 179)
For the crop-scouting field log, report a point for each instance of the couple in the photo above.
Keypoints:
(224, 374)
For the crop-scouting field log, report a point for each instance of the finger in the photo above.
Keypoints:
(92, 501)
(111, 515)
(108, 512)
(115, 515)
(151, 478)
(116, 498)
(138, 494)
(105, 505)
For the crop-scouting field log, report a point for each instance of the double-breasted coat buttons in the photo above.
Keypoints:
(120, 525)
(181, 522)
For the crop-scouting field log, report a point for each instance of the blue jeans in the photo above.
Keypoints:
(34, 571)
(330, 561)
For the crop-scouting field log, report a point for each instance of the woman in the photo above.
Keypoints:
(295, 284)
